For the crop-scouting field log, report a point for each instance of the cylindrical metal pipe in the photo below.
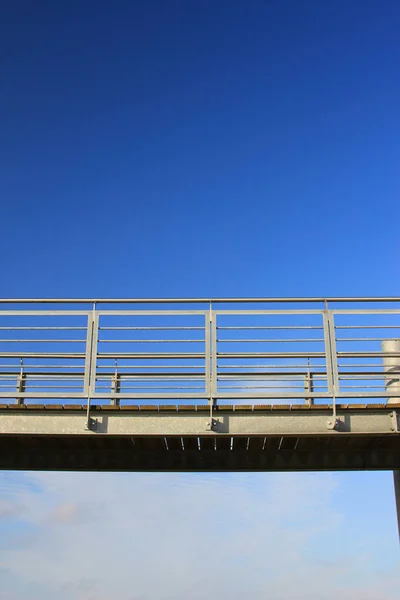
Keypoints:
(391, 367)
(385, 299)
(396, 480)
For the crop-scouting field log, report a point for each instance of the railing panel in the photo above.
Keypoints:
(230, 352)
(360, 355)
(43, 354)
(151, 354)
(271, 354)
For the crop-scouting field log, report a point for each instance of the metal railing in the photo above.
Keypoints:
(199, 350)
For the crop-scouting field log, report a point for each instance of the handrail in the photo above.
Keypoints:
(240, 300)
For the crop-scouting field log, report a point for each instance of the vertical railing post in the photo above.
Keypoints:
(212, 364)
(331, 363)
(90, 372)
(207, 332)
(21, 384)
(88, 356)
(335, 370)
(115, 386)
(214, 374)
(309, 385)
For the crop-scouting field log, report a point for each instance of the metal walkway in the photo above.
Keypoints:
(200, 384)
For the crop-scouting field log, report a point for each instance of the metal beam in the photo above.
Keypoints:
(91, 301)
(167, 420)
(167, 439)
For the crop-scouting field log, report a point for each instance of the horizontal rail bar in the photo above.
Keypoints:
(58, 366)
(161, 411)
(168, 377)
(249, 327)
(269, 377)
(54, 387)
(64, 396)
(149, 396)
(147, 355)
(272, 341)
(193, 396)
(378, 375)
(363, 387)
(152, 366)
(74, 355)
(367, 326)
(11, 328)
(259, 387)
(365, 311)
(271, 354)
(368, 354)
(306, 367)
(151, 313)
(42, 341)
(194, 300)
(155, 377)
(362, 339)
(44, 376)
(44, 313)
(305, 394)
(154, 387)
(150, 341)
(200, 377)
(266, 312)
(151, 328)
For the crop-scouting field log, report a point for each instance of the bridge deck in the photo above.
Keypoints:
(182, 438)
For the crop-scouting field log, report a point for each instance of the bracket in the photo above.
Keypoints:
(211, 424)
(91, 424)
(333, 424)
(394, 423)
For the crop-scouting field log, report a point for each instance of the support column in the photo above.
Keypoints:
(396, 481)
(391, 366)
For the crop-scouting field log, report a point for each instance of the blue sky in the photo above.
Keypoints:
(199, 148)
(195, 148)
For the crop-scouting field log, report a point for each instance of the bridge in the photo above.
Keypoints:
(200, 384)
(234, 384)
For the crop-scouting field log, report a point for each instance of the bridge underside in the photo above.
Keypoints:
(267, 438)
(209, 453)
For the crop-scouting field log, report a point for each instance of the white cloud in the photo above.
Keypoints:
(170, 537)
(69, 513)
(9, 509)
